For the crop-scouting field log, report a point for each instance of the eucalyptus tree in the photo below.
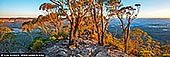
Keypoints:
(45, 23)
(3, 31)
(28, 27)
(51, 21)
(101, 19)
(79, 12)
(74, 11)
(130, 13)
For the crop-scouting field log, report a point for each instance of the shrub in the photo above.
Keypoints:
(114, 42)
(9, 43)
(60, 38)
(145, 53)
(7, 36)
(165, 48)
(166, 55)
(5, 31)
(61, 35)
(37, 45)
(52, 38)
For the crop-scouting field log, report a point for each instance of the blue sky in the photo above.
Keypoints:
(30, 8)
(152, 8)
(13, 8)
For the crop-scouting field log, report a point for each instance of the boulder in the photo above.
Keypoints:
(101, 54)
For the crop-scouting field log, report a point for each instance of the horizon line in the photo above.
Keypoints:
(37, 16)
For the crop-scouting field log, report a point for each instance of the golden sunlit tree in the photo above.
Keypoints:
(101, 19)
(75, 11)
(126, 14)
(28, 27)
(87, 13)
(51, 23)
(90, 19)
(3, 31)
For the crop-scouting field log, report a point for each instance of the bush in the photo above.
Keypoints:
(114, 42)
(145, 53)
(5, 33)
(166, 55)
(165, 48)
(9, 43)
(60, 36)
(52, 38)
(7, 37)
(37, 45)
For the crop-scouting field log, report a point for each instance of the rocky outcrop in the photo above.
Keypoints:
(85, 49)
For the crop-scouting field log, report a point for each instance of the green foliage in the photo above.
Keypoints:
(41, 41)
(10, 43)
(64, 34)
(52, 38)
(37, 45)
(5, 33)
(7, 36)
(61, 36)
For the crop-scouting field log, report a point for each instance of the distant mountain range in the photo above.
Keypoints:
(15, 19)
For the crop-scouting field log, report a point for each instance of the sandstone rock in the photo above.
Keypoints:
(101, 54)
(61, 54)
(85, 49)
(77, 55)
(65, 42)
